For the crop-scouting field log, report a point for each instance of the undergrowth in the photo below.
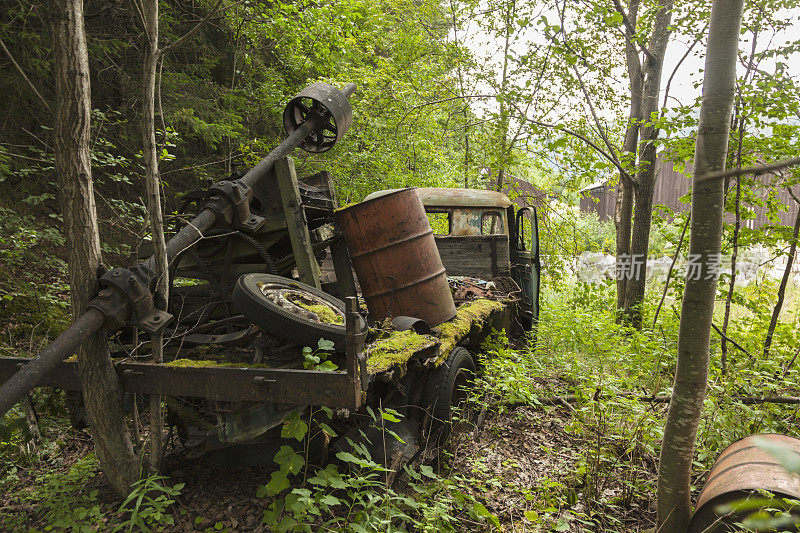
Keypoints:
(602, 384)
(611, 384)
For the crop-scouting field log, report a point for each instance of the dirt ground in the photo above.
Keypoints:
(531, 461)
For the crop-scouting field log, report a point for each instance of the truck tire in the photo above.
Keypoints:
(444, 388)
(262, 299)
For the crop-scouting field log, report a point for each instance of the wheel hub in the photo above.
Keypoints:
(302, 304)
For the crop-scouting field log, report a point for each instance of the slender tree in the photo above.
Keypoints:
(645, 46)
(149, 10)
(101, 389)
(691, 375)
(647, 77)
(503, 124)
(787, 272)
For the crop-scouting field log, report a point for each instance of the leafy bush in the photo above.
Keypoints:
(359, 498)
(148, 504)
(64, 500)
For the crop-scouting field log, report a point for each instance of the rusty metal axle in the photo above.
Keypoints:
(118, 302)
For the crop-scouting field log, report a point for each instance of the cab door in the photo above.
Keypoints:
(527, 268)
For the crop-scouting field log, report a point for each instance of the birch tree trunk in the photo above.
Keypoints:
(102, 393)
(691, 375)
(153, 194)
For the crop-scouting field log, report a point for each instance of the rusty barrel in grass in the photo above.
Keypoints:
(743, 469)
(395, 257)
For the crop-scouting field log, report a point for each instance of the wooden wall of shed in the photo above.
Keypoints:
(671, 185)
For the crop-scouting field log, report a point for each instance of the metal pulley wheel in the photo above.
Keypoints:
(323, 100)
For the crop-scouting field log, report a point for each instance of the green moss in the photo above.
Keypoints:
(351, 204)
(193, 363)
(244, 365)
(205, 363)
(475, 313)
(396, 349)
(322, 312)
(399, 347)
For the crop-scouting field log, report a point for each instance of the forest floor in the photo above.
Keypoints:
(569, 441)
(521, 464)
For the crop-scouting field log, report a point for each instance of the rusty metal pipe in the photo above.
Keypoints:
(90, 322)
(282, 150)
(65, 344)
(187, 236)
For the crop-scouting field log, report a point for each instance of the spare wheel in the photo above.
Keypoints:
(291, 310)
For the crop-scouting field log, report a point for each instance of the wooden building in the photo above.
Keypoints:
(670, 186)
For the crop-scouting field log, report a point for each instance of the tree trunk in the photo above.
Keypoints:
(153, 190)
(640, 243)
(776, 311)
(691, 375)
(622, 221)
(466, 148)
(504, 148)
(102, 393)
(624, 206)
(734, 257)
(646, 175)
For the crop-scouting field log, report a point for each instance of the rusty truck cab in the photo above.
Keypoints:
(471, 230)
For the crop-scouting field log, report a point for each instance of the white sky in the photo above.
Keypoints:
(691, 70)
(488, 49)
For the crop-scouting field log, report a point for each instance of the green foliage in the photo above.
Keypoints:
(66, 501)
(13, 433)
(318, 359)
(608, 373)
(354, 495)
(25, 253)
(148, 504)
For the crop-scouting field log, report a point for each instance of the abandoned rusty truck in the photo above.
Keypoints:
(280, 299)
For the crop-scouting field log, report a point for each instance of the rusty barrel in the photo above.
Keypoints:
(741, 470)
(395, 257)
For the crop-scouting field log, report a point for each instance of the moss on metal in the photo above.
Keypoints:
(182, 363)
(323, 312)
(475, 313)
(400, 346)
(206, 363)
(396, 349)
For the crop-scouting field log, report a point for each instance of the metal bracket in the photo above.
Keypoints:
(125, 298)
(231, 200)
